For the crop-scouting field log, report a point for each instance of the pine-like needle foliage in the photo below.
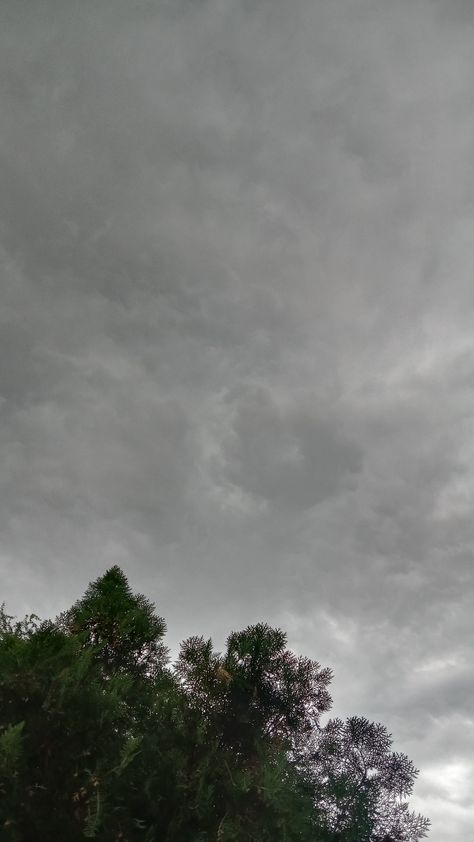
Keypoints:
(100, 737)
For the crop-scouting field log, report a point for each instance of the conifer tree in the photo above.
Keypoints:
(100, 737)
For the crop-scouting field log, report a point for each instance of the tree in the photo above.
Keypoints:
(75, 697)
(121, 627)
(250, 704)
(362, 784)
(101, 737)
(264, 704)
(61, 735)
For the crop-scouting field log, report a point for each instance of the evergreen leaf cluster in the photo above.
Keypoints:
(102, 737)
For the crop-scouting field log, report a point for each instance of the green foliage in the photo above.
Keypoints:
(101, 738)
(10, 748)
(363, 784)
(128, 752)
(121, 628)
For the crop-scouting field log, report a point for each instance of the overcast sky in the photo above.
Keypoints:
(237, 336)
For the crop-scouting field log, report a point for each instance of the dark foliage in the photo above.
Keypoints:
(101, 737)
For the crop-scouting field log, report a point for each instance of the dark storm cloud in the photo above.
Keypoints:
(288, 457)
(236, 328)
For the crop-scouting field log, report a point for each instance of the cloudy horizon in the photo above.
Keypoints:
(237, 336)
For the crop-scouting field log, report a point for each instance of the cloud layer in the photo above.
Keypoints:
(236, 335)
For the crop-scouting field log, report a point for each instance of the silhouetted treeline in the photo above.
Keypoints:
(100, 736)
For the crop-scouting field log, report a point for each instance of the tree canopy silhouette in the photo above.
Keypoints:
(100, 736)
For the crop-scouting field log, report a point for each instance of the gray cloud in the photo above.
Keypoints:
(287, 457)
(236, 328)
